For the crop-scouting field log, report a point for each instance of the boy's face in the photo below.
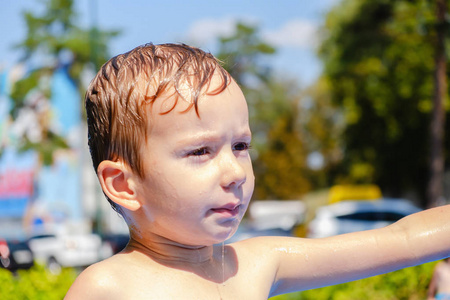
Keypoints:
(198, 172)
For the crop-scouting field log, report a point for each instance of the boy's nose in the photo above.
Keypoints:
(233, 172)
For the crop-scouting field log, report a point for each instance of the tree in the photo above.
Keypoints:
(321, 124)
(53, 38)
(435, 188)
(378, 58)
(240, 53)
(280, 165)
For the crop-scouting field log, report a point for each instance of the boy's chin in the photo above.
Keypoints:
(226, 236)
(219, 238)
(216, 235)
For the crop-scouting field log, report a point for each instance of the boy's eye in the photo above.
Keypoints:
(241, 146)
(199, 152)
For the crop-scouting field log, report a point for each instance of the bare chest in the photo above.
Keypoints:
(191, 286)
(179, 284)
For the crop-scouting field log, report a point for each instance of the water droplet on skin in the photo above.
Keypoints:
(223, 263)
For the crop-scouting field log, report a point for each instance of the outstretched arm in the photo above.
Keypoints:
(310, 263)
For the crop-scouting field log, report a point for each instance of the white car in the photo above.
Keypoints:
(273, 214)
(270, 218)
(358, 215)
(67, 250)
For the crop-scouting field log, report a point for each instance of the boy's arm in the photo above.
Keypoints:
(310, 263)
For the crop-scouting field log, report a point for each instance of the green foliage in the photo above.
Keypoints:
(280, 166)
(321, 124)
(379, 60)
(21, 88)
(36, 283)
(47, 147)
(241, 52)
(290, 296)
(54, 36)
(406, 284)
(55, 30)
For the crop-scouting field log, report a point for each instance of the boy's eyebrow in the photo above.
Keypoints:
(211, 137)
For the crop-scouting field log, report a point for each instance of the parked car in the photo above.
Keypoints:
(19, 255)
(67, 250)
(270, 218)
(276, 214)
(351, 216)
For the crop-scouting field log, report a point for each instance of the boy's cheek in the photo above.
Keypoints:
(251, 187)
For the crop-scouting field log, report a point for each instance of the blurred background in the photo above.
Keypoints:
(348, 106)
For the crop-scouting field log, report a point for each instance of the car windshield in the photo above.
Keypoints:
(43, 236)
(372, 216)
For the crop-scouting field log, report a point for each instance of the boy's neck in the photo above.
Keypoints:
(208, 262)
(169, 252)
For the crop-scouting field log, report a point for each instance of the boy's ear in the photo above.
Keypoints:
(117, 182)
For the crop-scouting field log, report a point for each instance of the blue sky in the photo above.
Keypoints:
(290, 25)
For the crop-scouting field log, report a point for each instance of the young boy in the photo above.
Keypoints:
(169, 138)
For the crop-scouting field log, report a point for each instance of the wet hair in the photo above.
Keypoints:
(118, 96)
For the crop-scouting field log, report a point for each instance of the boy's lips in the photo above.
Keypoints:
(229, 210)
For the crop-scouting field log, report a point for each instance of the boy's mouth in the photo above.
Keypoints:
(227, 210)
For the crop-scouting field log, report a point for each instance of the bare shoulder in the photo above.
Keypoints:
(97, 281)
(266, 251)
(106, 279)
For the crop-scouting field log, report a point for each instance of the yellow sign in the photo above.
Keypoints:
(354, 192)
